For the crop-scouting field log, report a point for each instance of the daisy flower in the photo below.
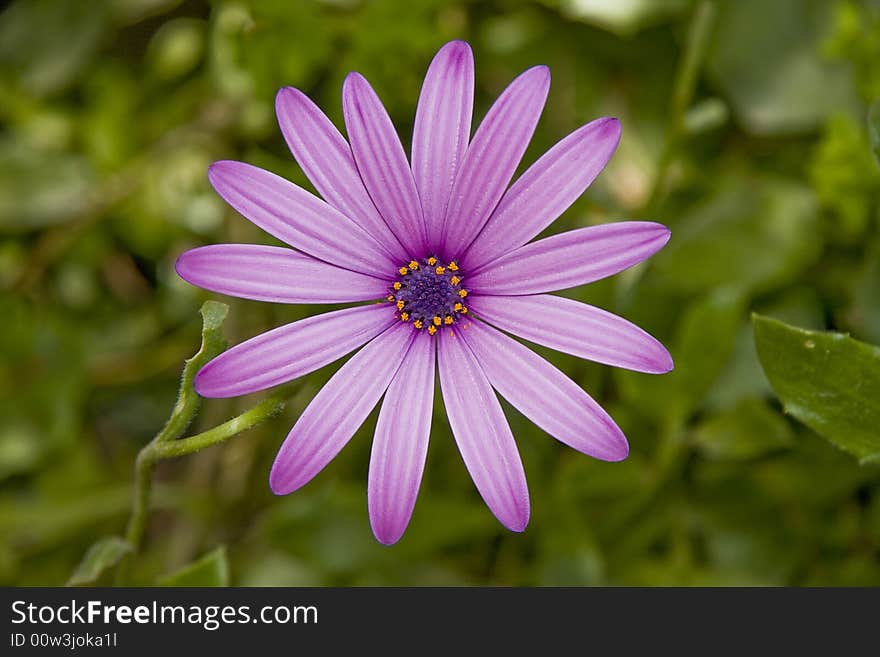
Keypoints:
(441, 245)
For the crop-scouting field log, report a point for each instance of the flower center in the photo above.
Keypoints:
(428, 293)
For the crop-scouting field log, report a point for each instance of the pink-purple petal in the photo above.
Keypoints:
(492, 158)
(298, 218)
(290, 351)
(382, 163)
(545, 190)
(276, 274)
(545, 395)
(482, 433)
(575, 328)
(339, 408)
(400, 444)
(442, 130)
(326, 159)
(570, 259)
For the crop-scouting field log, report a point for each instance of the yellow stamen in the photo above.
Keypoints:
(462, 293)
(432, 261)
(413, 265)
(464, 311)
(455, 280)
(440, 269)
(404, 317)
(457, 307)
(453, 266)
(400, 305)
(447, 319)
(397, 285)
(418, 324)
(390, 297)
(432, 330)
(403, 271)
(436, 320)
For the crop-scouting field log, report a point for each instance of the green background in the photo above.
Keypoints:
(744, 130)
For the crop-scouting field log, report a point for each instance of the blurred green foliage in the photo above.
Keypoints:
(762, 166)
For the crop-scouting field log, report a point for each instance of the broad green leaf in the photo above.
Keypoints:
(827, 380)
(743, 377)
(104, 554)
(748, 431)
(753, 234)
(210, 570)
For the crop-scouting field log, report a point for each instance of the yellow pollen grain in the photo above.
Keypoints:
(455, 280)
(447, 319)
(457, 307)
(390, 297)
(464, 311)
(413, 265)
(404, 317)
(400, 305)
(453, 266)
(403, 271)
(432, 330)
(397, 285)
(440, 269)
(432, 261)
(436, 320)
(418, 324)
(462, 293)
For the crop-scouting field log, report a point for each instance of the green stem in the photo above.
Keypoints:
(168, 444)
(161, 448)
(698, 34)
(266, 409)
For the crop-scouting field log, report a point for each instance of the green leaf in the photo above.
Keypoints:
(213, 313)
(104, 554)
(211, 570)
(827, 380)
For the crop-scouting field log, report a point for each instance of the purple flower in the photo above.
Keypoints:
(443, 245)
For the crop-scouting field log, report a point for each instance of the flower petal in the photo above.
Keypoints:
(288, 352)
(545, 395)
(545, 190)
(482, 433)
(339, 408)
(382, 163)
(400, 444)
(575, 328)
(271, 273)
(301, 219)
(325, 157)
(442, 130)
(570, 259)
(492, 158)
